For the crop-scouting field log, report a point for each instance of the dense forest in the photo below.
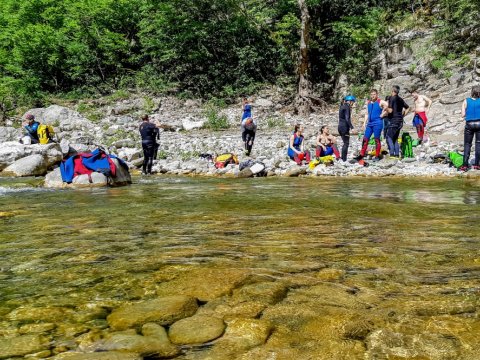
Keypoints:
(203, 48)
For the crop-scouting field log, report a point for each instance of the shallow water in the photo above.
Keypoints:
(406, 251)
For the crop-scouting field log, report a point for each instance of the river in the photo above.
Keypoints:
(340, 268)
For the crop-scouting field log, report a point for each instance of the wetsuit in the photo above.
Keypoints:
(150, 134)
(374, 126)
(32, 131)
(472, 128)
(247, 111)
(397, 104)
(297, 143)
(344, 127)
(248, 135)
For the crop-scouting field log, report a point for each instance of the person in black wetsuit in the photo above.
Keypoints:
(150, 134)
(249, 129)
(345, 123)
(397, 109)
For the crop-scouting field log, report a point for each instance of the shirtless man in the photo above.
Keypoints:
(422, 107)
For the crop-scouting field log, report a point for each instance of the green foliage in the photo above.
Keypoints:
(162, 155)
(276, 122)
(188, 155)
(215, 120)
(439, 64)
(90, 111)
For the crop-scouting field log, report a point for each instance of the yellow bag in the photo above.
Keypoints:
(225, 159)
(327, 160)
(313, 164)
(45, 133)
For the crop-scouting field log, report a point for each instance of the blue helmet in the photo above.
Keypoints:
(350, 98)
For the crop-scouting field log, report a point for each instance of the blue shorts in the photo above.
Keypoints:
(375, 129)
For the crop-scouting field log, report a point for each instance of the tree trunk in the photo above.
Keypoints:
(302, 103)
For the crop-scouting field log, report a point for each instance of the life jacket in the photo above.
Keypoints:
(473, 110)
(407, 141)
(223, 160)
(45, 133)
(374, 111)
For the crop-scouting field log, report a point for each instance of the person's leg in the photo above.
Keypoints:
(386, 124)
(467, 143)
(395, 139)
(250, 142)
(335, 151)
(145, 158)
(346, 143)
(319, 151)
(366, 138)
(477, 144)
(390, 136)
(377, 132)
(307, 157)
(419, 125)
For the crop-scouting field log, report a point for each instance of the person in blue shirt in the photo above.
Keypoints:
(373, 124)
(296, 146)
(471, 114)
(247, 109)
(31, 127)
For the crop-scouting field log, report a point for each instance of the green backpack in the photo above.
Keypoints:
(407, 142)
(456, 158)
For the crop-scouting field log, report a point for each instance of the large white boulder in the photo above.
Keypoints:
(32, 165)
(9, 134)
(189, 124)
(62, 118)
(12, 151)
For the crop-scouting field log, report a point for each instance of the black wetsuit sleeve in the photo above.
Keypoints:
(405, 105)
(348, 112)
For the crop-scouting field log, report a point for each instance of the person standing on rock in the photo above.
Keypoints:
(397, 108)
(296, 146)
(249, 128)
(373, 124)
(247, 109)
(150, 134)
(31, 127)
(345, 123)
(471, 114)
(326, 144)
(422, 107)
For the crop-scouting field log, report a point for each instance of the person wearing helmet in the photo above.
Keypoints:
(345, 123)
(249, 128)
(150, 134)
(31, 126)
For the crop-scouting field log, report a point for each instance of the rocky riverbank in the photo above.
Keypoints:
(184, 138)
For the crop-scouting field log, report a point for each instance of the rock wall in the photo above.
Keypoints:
(406, 61)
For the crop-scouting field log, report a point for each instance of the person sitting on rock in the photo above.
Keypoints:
(326, 144)
(249, 128)
(296, 147)
(247, 109)
(150, 134)
(31, 127)
(471, 114)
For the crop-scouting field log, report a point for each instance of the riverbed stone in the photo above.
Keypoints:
(153, 342)
(107, 355)
(36, 328)
(49, 314)
(22, 345)
(164, 311)
(197, 329)
(295, 171)
(244, 334)
(204, 284)
(265, 292)
(387, 344)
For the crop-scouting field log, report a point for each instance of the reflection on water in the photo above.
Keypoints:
(407, 250)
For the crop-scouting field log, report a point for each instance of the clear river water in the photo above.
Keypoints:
(339, 268)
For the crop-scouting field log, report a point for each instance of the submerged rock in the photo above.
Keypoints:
(164, 311)
(108, 355)
(197, 329)
(22, 345)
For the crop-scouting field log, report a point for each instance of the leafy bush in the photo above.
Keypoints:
(215, 120)
(276, 122)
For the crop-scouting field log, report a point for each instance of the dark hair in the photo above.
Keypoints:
(476, 92)
(387, 98)
(297, 126)
(396, 89)
(145, 117)
(374, 90)
(321, 129)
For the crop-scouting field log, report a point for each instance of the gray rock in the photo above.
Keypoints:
(33, 165)
(93, 180)
(12, 151)
(296, 171)
(189, 124)
(9, 134)
(245, 173)
(63, 118)
(263, 103)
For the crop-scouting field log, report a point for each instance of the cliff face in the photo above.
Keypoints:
(410, 60)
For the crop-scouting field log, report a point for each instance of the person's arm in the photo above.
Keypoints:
(388, 107)
(406, 109)
(464, 108)
(429, 103)
(348, 115)
(332, 140)
(292, 139)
